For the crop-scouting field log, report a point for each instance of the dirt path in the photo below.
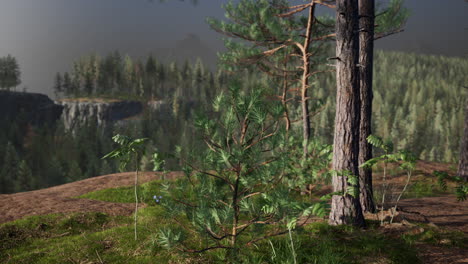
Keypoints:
(59, 199)
(443, 211)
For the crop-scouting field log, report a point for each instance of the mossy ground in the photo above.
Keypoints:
(100, 238)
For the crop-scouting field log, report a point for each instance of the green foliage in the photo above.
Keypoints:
(461, 191)
(81, 237)
(158, 162)
(25, 180)
(313, 169)
(96, 237)
(414, 103)
(321, 243)
(120, 76)
(239, 190)
(442, 177)
(126, 194)
(391, 18)
(405, 105)
(405, 159)
(10, 74)
(9, 172)
(353, 183)
(128, 149)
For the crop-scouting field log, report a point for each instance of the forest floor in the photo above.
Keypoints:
(442, 212)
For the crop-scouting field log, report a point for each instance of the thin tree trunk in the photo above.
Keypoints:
(305, 81)
(366, 58)
(463, 164)
(345, 208)
(136, 196)
(284, 95)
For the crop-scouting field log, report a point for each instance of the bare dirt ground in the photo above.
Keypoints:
(59, 199)
(444, 211)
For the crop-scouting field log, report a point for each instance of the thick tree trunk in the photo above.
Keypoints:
(463, 165)
(366, 57)
(345, 208)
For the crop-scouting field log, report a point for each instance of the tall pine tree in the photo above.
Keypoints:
(346, 208)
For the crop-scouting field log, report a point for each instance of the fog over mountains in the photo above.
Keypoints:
(47, 36)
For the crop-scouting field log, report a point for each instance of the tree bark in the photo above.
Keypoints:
(345, 208)
(305, 81)
(366, 58)
(463, 163)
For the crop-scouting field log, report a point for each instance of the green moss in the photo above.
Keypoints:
(83, 237)
(146, 192)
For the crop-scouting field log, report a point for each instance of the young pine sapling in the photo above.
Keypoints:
(238, 192)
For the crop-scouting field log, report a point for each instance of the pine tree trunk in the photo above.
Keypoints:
(305, 81)
(366, 57)
(463, 165)
(345, 208)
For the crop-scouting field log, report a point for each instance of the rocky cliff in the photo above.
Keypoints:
(79, 112)
(38, 109)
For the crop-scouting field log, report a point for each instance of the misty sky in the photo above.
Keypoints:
(46, 36)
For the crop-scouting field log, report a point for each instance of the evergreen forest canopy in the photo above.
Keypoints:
(417, 99)
(10, 74)
(117, 75)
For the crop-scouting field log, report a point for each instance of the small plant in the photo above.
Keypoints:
(238, 192)
(405, 159)
(129, 149)
(461, 191)
(157, 198)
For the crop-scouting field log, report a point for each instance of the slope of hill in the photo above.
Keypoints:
(61, 198)
(54, 225)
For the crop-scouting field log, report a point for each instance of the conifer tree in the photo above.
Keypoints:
(346, 208)
(58, 85)
(74, 172)
(25, 180)
(277, 33)
(390, 22)
(463, 161)
(366, 59)
(67, 84)
(161, 79)
(9, 170)
(10, 74)
(237, 193)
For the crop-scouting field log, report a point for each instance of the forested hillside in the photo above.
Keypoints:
(418, 104)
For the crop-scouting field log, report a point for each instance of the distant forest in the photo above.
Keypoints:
(418, 104)
(117, 75)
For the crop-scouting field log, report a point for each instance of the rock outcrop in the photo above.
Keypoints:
(37, 109)
(78, 112)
